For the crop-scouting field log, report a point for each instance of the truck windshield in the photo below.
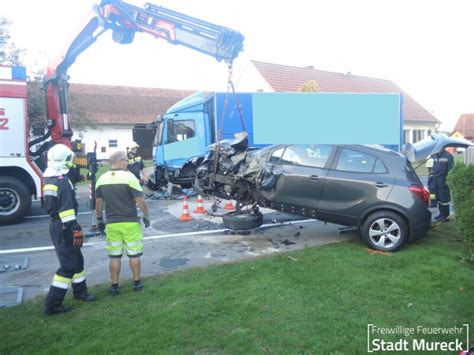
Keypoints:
(180, 130)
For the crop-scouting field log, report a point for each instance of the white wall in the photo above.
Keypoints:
(123, 134)
(248, 79)
(422, 130)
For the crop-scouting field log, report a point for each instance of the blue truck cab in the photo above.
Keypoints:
(191, 125)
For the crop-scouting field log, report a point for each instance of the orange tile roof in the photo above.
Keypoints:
(465, 125)
(284, 78)
(104, 104)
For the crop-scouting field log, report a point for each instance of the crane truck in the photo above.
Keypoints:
(21, 159)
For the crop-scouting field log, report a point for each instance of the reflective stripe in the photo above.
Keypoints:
(115, 252)
(134, 252)
(117, 177)
(50, 193)
(67, 213)
(67, 216)
(58, 284)
(61, 282)
(444, 203)
(115, 244)
(77, 278)
(50, 187)
(133, 244)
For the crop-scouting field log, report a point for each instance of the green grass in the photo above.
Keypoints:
(319, 303)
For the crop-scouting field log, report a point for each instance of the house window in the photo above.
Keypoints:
(113, 143)
(103, 149)
(406, 136)
(417, 135)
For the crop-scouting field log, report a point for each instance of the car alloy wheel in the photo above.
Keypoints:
(385, 231)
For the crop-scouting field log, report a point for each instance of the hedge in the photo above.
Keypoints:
(461, 183)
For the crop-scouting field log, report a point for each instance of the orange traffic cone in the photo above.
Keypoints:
(229, 206)
(200, 208)
(185, 216)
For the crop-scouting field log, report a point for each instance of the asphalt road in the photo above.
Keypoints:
(169, 244)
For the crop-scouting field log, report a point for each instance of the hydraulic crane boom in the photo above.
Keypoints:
(124, 20)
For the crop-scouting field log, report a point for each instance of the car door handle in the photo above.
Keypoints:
(380, 184)
(314, 177)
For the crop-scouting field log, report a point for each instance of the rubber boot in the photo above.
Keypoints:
(54, 301)
(81, 293)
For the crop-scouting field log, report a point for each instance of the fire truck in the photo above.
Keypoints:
(22, 160)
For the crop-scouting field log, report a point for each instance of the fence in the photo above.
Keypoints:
(469, 155)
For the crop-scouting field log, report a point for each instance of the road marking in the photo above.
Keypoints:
(47, 215)
(162, 236)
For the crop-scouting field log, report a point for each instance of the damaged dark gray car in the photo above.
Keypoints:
(368, 189)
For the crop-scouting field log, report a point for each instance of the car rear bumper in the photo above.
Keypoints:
(420, 225)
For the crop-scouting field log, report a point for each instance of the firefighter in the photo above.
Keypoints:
(135, 163)
(443, 162)
(66, 233)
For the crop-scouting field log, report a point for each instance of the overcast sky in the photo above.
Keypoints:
(424, 46)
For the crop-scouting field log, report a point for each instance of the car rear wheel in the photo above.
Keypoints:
(385, 231)
(242, 221)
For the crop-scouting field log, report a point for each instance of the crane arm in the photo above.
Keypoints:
(124, 20)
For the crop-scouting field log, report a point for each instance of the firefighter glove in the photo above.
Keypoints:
(78, 238)
(146, 221)
(73, 228)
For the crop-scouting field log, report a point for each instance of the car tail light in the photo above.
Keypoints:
(422, 192)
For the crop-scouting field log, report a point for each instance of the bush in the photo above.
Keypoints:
(461, 184)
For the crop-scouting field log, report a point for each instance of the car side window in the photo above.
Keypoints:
(276, 155)
(379, 167)
(290, 157)
(359, 162)
(313, 155)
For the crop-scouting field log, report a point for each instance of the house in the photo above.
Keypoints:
(114, 110)
(465, 126)
(267, 77)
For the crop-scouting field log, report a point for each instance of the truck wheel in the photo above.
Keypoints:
(15, 200)
(385, 231)
(241, 221)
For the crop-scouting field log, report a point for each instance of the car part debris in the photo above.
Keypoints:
(10, 296)
(13, 264)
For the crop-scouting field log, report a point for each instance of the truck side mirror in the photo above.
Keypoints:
(170, 136)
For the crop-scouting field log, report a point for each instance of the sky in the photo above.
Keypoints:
(424, 46)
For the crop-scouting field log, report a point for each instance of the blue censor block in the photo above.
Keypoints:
(327, 118)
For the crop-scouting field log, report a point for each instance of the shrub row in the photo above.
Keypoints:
(461, 184)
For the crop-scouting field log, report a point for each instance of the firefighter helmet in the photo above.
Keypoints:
(134, 146)
(60, 160)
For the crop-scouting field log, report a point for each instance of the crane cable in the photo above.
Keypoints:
(230, 88)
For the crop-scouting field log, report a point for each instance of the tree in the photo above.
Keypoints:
(10, 53)
(37, 108)
(309, 86)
